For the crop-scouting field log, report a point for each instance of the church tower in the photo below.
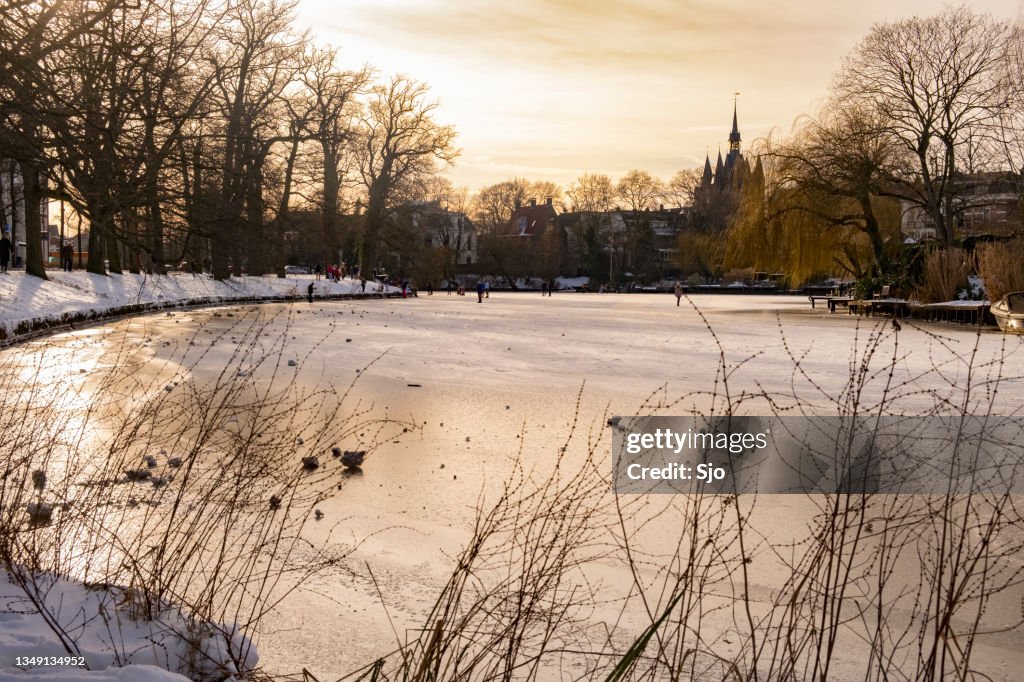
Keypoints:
(716, 198)
(734, 140)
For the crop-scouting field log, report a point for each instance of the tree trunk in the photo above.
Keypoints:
(3, 205)
(332, 189)
(282, 210)
(97, 251)
(375, 209)
(256, 241)
(113, 248)
(131, 239)
(33, 199)
(156, 235)
(874, 235)
(11, 174)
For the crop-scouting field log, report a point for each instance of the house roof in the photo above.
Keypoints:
(527, 221)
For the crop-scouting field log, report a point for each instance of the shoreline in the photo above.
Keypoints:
(128, 299)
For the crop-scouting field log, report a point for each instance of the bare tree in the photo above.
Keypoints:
(847, 158)
(494, 204)
(640, 190)
(933, 81)
(683, 186)
(1006, 138)
(31, 35)
(335, 110)
(254, 62)
(400, 142)
(592, 192)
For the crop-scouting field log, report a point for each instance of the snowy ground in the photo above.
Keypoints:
(484, 377)
(112, 645)
(29, 302)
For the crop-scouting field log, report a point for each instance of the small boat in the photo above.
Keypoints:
(1009, 312)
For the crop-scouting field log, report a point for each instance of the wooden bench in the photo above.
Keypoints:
(831, 301)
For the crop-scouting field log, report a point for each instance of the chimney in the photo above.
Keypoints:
(661, 207)
(533, 202)
(518, 204)
(549, 201)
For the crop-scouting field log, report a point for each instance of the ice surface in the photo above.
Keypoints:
(511, 371)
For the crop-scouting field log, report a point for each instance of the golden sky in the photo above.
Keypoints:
(550, 89)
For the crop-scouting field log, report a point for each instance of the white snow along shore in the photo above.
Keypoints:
(29, 304)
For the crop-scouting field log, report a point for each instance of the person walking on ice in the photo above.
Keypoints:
(309, 292)
(679, 292)
(480, 292)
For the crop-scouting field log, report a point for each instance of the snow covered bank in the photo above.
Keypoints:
(108, 642)
(30, 305)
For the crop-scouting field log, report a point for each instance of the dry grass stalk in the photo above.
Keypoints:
(1001, 266)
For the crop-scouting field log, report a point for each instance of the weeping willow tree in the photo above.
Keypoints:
(817, 203)
(784, 226)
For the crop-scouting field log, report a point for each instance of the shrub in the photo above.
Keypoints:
(1001, 265)
(945, 274)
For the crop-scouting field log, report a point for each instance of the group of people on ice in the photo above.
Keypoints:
(334, 273)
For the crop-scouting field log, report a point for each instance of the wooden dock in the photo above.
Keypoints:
(890, 307)
(960, 312)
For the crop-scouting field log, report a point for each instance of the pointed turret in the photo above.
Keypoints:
(734, 136)
(719, 167)
(706, 178)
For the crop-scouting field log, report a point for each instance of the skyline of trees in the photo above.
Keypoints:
(194, 131)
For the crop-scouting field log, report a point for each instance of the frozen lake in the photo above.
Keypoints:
(516, 371)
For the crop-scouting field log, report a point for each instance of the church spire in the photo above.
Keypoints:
(734, 136)
(706, 178)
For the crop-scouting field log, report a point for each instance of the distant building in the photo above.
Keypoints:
(534, 243)
(532, 220)
(717, 196)
(12, 210)
(640, 243)
(443, 229)
(647, 241)
(983, 204)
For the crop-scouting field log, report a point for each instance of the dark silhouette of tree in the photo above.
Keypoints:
(32, 34)
(933, 82)
(681, 189)
(841, 164)
(592, 192)
(256, 59)
(335, 110)
(640, 190)
(400, 142)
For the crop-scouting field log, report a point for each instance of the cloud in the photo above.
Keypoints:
(613, 35)
(553, 88)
